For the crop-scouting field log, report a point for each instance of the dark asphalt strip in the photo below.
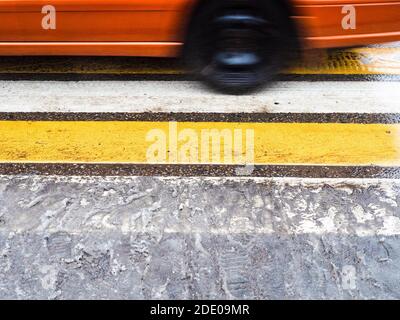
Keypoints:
(262, 117)
(9, 76)
(94, 77)
(111, 169)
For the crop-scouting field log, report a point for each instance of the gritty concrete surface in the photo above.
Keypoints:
(174, 238)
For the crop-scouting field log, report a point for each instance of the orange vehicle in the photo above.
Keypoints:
(235, 45)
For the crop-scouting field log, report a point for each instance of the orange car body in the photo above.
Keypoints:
(158, 27)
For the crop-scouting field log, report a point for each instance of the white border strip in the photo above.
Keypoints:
(190, 96)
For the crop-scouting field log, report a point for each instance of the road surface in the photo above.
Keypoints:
(304, 205)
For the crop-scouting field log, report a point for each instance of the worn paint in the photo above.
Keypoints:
(358, 61)
(125, 142)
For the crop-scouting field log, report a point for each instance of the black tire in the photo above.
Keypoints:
(238, 46)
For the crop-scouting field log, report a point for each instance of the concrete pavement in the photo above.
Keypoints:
(198, 238)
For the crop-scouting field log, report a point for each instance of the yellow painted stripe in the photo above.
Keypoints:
(360, 61)
(125, 142)
(91, 66)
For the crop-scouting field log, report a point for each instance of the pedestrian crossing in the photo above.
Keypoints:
(303, 123)
(123, 176)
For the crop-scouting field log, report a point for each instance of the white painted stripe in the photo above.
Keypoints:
(188, 96)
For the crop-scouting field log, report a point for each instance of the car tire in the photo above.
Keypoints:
(238, 46)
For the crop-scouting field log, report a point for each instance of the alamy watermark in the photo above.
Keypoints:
(49, 18)
(349, 21)
(203, 146)
(349, 277)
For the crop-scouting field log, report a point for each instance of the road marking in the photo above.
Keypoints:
(90, 65)
(360, 61)
(188, 96)
(125, 142)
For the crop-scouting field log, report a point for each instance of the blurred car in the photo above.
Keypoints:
(234, 45)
